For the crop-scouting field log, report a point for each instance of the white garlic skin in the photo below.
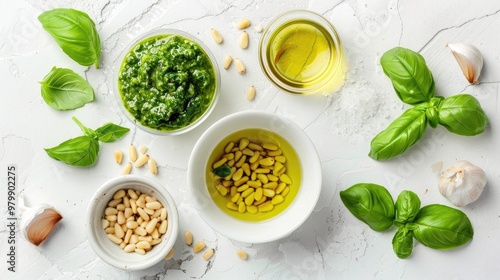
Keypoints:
(469, 59)
(462, 183)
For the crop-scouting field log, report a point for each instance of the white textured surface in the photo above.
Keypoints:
(331, 243)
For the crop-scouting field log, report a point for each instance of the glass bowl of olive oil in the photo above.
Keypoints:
(300, 52)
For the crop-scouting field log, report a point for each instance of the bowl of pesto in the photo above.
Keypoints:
(167, 82)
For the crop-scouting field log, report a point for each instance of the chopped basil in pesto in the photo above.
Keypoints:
(167, 82)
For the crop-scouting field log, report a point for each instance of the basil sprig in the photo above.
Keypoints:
(435, 226)
(83, 150)
(412, 80)
(76, 34)
(63, 89)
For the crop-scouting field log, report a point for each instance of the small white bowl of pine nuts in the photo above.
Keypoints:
(254, 176)
(132, 222)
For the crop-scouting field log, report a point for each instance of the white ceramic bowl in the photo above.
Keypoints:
(276, 227)
(165, 32)
(111, 252)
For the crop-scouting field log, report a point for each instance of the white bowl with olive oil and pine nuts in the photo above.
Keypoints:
(247, 223)
(111, 252)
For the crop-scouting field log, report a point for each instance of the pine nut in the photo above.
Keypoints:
(285, 179)
(170, 254)
(105, 223)
(277, 199)
(128, 167)
(208, 254)
(250, 95)
(140, 251)
(128, 235)
(114, 202)
(143, 214)
(111, 218)
(129, 248)
(227, 63)
(119, 231)
(153, 166)
(143, 149)
(110, 211)
(188, 237)
(120, 219)
(285, 191)
(132, 194)
(216, 36)
(163, 227)
(152, 225)
(143, 245)
(114, 239)
(240, 67)
(132, 153)
(143, 159)
(252, 209)
(141, 202)
(118, 156)
(242, 24)
(200, 245)
(156, 241)
(163, 215)
(140, 231)
(258, 28)
(243, 43)
(242, 254)
(155, 205)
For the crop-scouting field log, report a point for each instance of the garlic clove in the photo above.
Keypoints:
(462, 183)
(469, 59)
(37, 222)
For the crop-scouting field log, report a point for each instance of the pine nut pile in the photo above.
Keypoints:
(258, 179)
(135, 221)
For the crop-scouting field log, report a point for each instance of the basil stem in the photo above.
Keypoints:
(63, 89)
(370, 203)
(401, 134)
(76, 34)
(411, 78)
(462, 114)
(442, 227)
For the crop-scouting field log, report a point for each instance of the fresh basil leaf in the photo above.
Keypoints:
(63, 89)
(370, 203)
(111, 132)
(76, 34)
(442, 227)
(222, 171)
(411, 78)
(407, 206)
(402, 243)
(462, 114)
(79, 151)
(87, 131)
(401, 134)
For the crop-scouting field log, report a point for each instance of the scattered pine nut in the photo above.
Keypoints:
(118, 156)
(240, 67)
(132, 153)
(199, 246)
(258, 28)
(227, 61)
(242, 254)
(153, 167)
(170, 254)
(243, 43)
(188, 237)
(242, 24)
(126, 170)
(208, 254)
(141, 160)
(250, 93)
(216, 36)
(143, 149)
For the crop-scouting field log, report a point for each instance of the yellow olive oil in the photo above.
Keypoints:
(258, 136)
(303, 54)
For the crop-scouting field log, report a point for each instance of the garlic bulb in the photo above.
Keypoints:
(462, 183)
(469, 59)
(37, 222)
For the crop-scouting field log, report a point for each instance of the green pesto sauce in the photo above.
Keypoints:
(166, 82)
